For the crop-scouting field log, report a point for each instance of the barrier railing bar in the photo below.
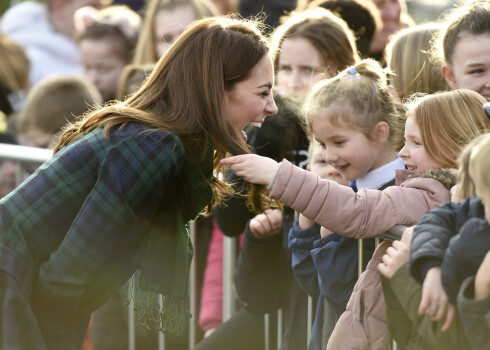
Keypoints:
(229, 260)
(266, 331)
(24, 154)
(131, 322)
(193, 287)
(161, 335)
(309, 324)
(279, 328)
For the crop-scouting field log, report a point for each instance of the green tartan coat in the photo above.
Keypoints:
(71, 233)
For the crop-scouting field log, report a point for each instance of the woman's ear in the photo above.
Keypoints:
(448, 75)
(381, 132)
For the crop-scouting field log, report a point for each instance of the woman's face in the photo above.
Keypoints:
(251, 99)
(299, 67)
(169, 24)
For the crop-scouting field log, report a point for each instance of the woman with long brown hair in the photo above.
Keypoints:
(114, 199)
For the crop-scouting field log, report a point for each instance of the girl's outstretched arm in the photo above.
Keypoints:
(253, 168)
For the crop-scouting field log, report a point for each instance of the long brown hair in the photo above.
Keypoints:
(184, 93)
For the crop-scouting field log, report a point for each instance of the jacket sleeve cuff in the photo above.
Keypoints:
(276, 175)
(419, 269)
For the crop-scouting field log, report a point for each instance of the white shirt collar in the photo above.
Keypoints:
(379, 176)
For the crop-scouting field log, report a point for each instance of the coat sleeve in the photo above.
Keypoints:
(263, 274)
(336, 261)
(464, 255)
(96, 252)
(300, 242)
(475, 315)
(364, 214)
(434, 231)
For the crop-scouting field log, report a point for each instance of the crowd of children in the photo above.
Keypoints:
(375, 122)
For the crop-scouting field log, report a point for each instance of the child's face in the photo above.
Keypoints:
(35, 137)
(413, 153)
(169, 24)
(471, 64)
(299, 67)
(390, 11)
(350, 151)
(103, 65)
(318, 165)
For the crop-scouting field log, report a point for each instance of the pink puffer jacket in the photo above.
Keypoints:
(364, 214)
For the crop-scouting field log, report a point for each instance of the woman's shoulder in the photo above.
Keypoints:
(135, 142)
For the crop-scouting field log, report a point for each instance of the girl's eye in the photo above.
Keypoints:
(339, 142)
(476, 71)
(285, 68)
(265, 93)
(417, 143)
(308, 70)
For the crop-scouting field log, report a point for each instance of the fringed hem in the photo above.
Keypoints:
(169, 314)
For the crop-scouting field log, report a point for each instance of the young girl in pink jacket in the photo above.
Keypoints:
(437, 127)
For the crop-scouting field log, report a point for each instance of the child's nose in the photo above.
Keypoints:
(403, 153)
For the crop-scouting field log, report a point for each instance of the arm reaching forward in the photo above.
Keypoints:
(253, 168)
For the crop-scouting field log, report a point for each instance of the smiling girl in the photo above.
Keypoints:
(435, 125)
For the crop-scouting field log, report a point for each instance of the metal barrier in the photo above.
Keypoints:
(23, 154)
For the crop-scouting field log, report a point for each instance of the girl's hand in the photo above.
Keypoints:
(434, 301)
(396, 256)
(324, 232)
(266, 224)
(304, 222)
(253, 168)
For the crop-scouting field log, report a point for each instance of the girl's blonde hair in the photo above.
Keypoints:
(145, 52)
(472, 17)
(329, 35)
(479, 164)
(465, 184)
(410, 62)
(448, 121)
(14, 65)
(364, 89)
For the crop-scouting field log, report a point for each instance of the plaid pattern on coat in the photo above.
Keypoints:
(71, 234)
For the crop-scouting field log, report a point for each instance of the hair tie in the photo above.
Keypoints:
(486, 108)
(352, 74)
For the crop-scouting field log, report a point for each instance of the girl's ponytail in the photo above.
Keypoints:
(362, 93)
